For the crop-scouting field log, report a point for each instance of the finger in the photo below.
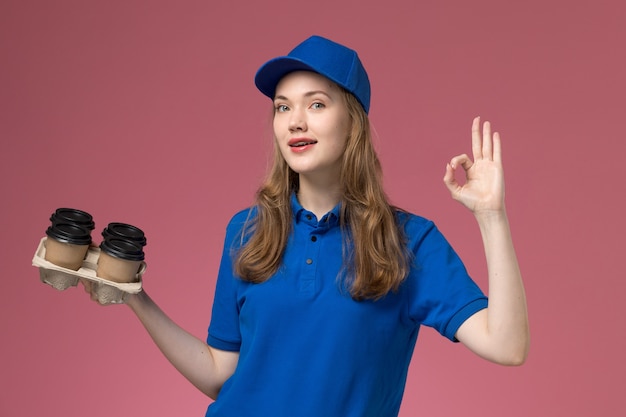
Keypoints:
(449, 175)
(487, 144)
(497, 148)
(449, 179)
(86, 285)
(476, 139)
(461, 160)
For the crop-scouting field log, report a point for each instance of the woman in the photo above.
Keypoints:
(323, 285)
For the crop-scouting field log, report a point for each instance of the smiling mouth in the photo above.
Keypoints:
(300, 143)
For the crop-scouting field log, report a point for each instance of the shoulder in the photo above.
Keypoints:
(421, 234)
(412, 224)
(239, 223)
(243, 215)
(240, 218)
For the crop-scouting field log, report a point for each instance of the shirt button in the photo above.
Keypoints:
(309, 261)
(308, 217)
(313, 238)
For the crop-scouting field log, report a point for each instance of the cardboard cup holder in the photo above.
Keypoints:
(103, 290)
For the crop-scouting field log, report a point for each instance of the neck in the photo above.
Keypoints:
(318, 197)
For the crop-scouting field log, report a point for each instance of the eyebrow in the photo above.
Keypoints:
(308, 94)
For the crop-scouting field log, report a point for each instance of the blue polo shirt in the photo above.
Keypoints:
(306, 347)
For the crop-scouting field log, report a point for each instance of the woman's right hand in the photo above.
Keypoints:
(90, 289)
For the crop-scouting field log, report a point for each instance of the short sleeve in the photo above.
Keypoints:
(224, 331)
(442, 294)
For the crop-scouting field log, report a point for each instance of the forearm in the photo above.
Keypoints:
(507, 317)
(193, 358)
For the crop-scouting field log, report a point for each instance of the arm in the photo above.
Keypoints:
(500, 332)
(205, 367)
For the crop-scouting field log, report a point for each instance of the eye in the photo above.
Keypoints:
(281, 108)
(317, 105)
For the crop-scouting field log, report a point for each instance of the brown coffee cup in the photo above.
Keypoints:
(124, 231)
(119, 260)
(66, 245)
(73, 216)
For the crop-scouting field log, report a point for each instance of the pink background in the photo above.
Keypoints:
(146, 113)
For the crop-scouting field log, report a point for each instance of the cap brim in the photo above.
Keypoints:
(268, 76)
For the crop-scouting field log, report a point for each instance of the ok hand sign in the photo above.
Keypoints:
(483, 190)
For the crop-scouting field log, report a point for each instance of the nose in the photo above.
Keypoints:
(297, 121)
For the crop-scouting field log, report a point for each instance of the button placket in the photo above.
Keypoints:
(310, 258)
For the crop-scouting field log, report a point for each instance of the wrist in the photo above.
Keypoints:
(491, 217)
(133, 300)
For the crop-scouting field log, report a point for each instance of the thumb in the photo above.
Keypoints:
(449, 179)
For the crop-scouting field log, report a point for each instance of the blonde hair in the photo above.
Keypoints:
(375, 258)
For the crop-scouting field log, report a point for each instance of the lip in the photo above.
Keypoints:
(298, 145)
(293, 142)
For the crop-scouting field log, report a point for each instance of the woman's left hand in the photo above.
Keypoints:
(483, 190)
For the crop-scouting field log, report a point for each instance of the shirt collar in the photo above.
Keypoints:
(303, 215)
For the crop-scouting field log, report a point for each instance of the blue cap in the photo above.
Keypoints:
(323, 56)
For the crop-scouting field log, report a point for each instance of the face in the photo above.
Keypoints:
(311, 124)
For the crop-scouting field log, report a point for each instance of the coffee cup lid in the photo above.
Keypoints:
(69, 233)
(124, 231)
(73, 216)
(123, 249)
